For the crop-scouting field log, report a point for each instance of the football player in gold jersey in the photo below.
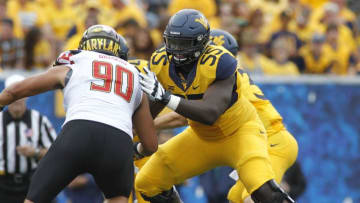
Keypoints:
(198, 81)
(282, 146)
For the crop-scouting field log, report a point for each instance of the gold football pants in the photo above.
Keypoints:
(187, 155)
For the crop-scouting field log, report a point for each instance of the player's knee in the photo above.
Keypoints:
(270, 192)
(234, 195)
(141, 183)
(145, 186)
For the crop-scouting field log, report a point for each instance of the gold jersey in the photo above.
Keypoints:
(139, 64)
(216, 63)
(269, 116)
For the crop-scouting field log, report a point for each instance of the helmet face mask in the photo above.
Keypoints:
(178, 44)
(186, 36)
(104, 39)
(183, 51)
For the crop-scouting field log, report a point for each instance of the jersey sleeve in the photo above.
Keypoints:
(65, 58)
(226, 66)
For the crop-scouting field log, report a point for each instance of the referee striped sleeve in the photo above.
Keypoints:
(48, 133)
(3, 143)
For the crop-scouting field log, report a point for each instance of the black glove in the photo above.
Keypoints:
(2, 108)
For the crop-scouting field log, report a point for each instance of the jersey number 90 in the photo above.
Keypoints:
(124, 79)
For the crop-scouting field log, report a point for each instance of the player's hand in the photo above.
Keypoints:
(152, 87)
(2, 108)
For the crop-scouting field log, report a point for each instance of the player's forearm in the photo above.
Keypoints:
(155, 108)
(19, 91)
(170, 120)
(144, 126)
(15, 92)
(6, 97)
(198, 110)
(214, 102)
(49, 80)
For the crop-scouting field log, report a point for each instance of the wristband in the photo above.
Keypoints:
(174, 102)
(165, 98)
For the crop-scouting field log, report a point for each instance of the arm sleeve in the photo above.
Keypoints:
(48, 133)
(225, 67)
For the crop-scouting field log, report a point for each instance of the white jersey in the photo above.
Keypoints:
(101, 88)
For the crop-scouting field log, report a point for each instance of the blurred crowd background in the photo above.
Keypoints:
(276, 37)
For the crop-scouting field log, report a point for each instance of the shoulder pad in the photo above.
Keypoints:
(220, 59)
(216, 50)
(65, 58)
(158, 60)
(226, 66)
(139, 64)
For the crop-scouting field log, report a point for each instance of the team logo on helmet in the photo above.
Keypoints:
(203, 22)
(218, 40)
(97, 29)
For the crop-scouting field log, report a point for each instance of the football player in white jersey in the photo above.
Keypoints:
(103, 100)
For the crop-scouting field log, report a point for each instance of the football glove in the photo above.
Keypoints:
(152, 87)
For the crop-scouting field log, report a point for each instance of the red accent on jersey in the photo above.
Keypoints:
(120, 73)
(64, 58)
(106, 77)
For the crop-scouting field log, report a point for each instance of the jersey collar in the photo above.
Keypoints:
(177, 80)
